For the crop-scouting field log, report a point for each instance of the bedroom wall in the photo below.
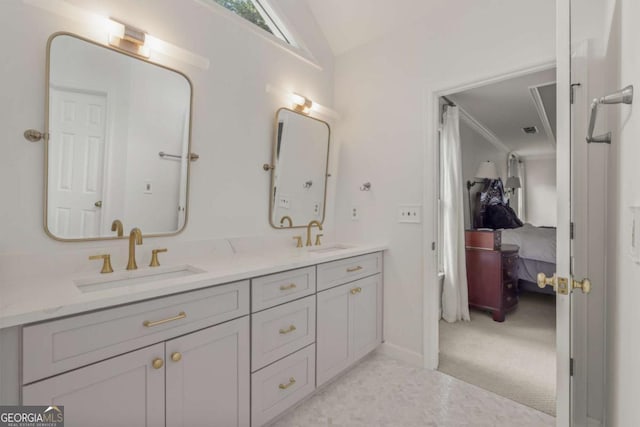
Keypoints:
(384, 91)
(540, 192)
(232, 113)
(475, 150)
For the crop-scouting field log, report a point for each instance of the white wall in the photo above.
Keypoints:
(623, 284)
(540, 191)
(384, 92)
(232, 113)
(475, 150)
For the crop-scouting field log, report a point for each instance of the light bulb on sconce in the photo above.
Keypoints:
(301, 104)
(128, 38)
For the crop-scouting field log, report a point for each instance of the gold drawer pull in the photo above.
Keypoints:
(354, 269)
(288, 330)
(509, 285)
(149, 324)
(292, 381)
(356, 290)
(157, 363)
(288, 287)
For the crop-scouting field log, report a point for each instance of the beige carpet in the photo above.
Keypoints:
(515, 359)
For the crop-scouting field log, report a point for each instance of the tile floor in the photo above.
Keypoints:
(381, 391)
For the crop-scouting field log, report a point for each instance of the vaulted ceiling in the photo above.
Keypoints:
(347, 24)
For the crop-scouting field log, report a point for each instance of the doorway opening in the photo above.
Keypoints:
(497, 231)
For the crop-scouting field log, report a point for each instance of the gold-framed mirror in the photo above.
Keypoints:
(300, 170)
(118, 150)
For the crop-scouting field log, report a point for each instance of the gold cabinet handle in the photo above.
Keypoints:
(157, 363)
(152, 323)
(176, 356)
(288, 287)
(354, 269)
(509, 285)
(292, 381)
(154, 257)
(106, 265)
(356, 290)
(584, 284)
(288, 330)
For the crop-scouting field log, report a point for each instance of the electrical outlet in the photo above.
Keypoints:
(355, 213)
(148, 188)
(410, 214)
(284, 202)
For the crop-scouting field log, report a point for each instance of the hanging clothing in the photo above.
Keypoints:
(455, 301)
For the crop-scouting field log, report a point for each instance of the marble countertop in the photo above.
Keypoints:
(34, 297)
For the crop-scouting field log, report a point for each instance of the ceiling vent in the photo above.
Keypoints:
(530, 130)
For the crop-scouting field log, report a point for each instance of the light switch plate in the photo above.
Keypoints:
(410, 214)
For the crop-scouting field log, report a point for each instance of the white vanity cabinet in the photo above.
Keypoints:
(181, 381)
(233, 354)
(349, 325)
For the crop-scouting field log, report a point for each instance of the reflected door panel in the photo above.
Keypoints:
(76, 150)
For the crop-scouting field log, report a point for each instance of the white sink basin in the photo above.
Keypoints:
(135, 277)
(330, 248)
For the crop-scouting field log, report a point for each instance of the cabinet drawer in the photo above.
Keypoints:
(275, 289)
(282, 330)
(278, 387)
(346, 270)
(53, 347)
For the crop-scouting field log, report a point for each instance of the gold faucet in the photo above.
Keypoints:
(288, 218)
(135, 238)
(311, 224)
(116, 225)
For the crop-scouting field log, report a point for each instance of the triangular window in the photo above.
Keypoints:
(260, 13)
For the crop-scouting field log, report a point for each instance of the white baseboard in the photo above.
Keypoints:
(593, 423)
(401, 353)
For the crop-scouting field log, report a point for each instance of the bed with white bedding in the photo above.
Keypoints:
(537, 254)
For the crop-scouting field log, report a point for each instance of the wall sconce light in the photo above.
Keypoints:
(128, 38)
(301, 104)
(486, 170)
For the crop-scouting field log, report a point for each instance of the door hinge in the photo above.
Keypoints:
(433, 246)
(571, 367)
(572, 230)
(572, 91)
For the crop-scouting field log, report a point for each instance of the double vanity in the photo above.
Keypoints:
(210, 333)
(236, 341)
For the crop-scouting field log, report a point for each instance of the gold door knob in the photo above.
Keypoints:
(176, 356)
(157, 363)
(98, 204)
(543, 281)
(584, 284)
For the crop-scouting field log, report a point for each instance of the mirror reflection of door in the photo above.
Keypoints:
(77, 148)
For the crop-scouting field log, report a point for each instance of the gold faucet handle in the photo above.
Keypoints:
(106, 265)
(298, 240)
(154, 257)
(318, 236)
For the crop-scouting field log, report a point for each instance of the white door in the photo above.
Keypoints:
(76, 150)
(577, 226)
(126, 390)
(208, 377)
